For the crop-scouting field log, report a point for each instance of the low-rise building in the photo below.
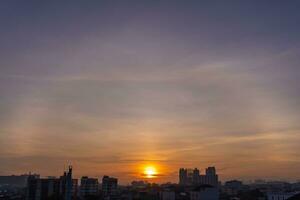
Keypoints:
(167, 195)
(233, 187)
(204, 192)
(281, 195)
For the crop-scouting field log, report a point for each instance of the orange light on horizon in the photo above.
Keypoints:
(150, 172)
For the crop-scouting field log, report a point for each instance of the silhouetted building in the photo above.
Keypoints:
(89, 186)
(16, 180)
(66, 186)
(187, 176)
(31, 189)
(233, 187)
(182, 176)
(281, 195)
(43, 188)
(196, 175)
(210, 178)
(109, 187)
(63, 188)
(193, 177)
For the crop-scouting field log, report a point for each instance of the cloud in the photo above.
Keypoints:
(173, 88)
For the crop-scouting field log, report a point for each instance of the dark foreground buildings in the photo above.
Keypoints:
(88, 187)
(16, 180)
(63, 188)
(109, 187)
(192, 186)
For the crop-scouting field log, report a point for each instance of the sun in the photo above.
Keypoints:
(150, 172)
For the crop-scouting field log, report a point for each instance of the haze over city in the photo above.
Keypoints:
(139, 89)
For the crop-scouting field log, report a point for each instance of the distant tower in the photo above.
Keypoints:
(212, 176)
(31, 188)
(69, 183)
(182, 176)
(196, 175)
(211, 171)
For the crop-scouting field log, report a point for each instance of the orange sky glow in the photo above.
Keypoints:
(138, 90)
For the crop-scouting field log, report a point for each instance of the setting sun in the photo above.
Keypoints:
(150, 172)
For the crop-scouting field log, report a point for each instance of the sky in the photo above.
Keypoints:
(113, 86)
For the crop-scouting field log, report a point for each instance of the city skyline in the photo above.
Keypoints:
(143, 88)
(191, 185)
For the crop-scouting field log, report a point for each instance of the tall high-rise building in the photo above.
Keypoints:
(211, 177)
(211, 171)
(182, 176)
(193, 177)
(188, 176)
(66, 186)
(196, 175)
